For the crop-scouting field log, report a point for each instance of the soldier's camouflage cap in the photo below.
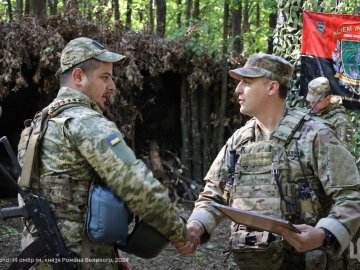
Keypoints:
(81, 49)
(265, 65)
(316, 88)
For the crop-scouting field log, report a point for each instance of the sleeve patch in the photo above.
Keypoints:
(113, 139)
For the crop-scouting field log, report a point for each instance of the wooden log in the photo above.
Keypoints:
(157, 168)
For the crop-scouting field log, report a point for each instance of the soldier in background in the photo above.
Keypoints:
(285, 164)
(81, 145)
(330, 109)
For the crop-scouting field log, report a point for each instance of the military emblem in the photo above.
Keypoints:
(350, 57)
(320, 27)
(346, 57)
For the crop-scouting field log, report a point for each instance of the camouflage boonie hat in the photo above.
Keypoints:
(316, 88)
(81, 49)
(265, 65)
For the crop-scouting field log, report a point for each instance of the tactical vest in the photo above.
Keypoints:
(262, 174)
(263, 183)
(58, 190)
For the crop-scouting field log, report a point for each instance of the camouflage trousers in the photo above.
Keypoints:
(312, 260)
(353, 253)
(278, 255)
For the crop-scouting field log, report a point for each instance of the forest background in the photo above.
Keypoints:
(174, 92)
(173, 95)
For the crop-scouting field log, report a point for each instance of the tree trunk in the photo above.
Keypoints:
(246, 23)
(188, 12)
(151, 16)
(185, 125)
(53, 6)
(116, 10)
(128, 13)
(236, 27)
(205, 129)
(160, 17)
(257, 5)
(19, 8)
(215, 131)
(9, 10)
(27, 7)
(224, 76)
(178, 17)
(195, 135)
(196, 12)
(272, 26)
(37, 8)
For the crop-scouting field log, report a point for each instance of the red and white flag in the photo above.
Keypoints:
(331, 48)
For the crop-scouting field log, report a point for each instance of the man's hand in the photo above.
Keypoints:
(309, 238)
(123, 261)
(194, 232)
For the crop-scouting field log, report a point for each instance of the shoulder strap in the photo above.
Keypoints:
(248, 132)
(290, 126)
(31, 165)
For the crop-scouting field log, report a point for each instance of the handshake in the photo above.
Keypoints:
(194, 232)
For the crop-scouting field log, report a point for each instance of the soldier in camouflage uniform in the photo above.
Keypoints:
(288, 166)
(81, 145)
(320, 100)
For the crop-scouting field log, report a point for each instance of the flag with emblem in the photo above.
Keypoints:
(331, 48)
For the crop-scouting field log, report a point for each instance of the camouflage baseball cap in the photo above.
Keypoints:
(265, 65)
(81, 49)
(316, 88)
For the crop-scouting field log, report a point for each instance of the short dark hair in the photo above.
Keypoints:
(87, 67)
(283, 90)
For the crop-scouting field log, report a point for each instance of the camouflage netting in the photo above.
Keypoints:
(30, 50)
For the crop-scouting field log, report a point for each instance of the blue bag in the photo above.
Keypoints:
(108, 217)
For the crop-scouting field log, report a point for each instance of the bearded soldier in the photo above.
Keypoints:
(80, 146)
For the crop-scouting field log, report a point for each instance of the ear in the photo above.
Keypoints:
(78, 77)
(273, 87)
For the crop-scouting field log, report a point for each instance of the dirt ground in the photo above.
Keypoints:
(208, 256)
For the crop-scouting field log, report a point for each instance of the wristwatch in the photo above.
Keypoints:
(329, 240)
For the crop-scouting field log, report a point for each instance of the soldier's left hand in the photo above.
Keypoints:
(309, 238)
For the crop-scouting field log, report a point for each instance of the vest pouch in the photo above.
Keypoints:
(254, 255)
(108, 217)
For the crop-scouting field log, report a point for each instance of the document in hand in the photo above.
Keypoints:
(255, 220)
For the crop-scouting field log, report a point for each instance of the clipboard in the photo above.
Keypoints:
(255, 220)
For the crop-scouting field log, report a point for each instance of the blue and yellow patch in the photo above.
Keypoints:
(113, 139)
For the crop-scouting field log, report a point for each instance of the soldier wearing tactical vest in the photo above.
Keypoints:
(325, 107)
(80, 146)
(288, 166)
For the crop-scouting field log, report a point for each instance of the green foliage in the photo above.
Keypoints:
(355, 119)
(199, 255)
(7, 231)
(49, 49)
(206, 33)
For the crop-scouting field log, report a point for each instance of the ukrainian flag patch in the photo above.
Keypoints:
(113, 139)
